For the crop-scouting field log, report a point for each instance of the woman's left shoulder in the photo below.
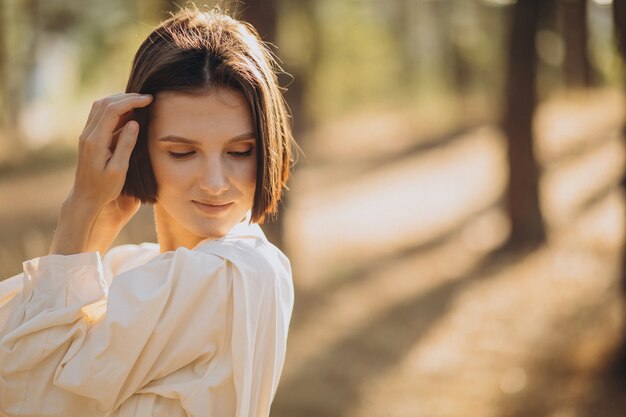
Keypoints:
(251, 254)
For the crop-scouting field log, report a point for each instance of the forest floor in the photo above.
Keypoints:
(405, 306)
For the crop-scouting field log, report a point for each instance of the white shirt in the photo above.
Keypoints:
(199, 332)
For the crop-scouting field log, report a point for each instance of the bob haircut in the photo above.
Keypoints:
(193, 52)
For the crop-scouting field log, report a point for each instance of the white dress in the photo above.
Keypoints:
(199, 332)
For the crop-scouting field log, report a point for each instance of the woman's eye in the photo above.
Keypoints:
(242, 154)
(180, 155)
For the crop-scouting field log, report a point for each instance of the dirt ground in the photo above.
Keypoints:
(406, 307)
(404, 304)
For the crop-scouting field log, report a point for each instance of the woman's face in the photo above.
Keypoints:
(203, 153)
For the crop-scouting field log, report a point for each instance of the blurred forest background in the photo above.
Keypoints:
(456, 225)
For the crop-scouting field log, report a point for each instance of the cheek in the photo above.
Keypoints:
(170, 175)
(243, 178)
(248, 173)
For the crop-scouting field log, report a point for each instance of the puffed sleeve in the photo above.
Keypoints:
(256, 345)
(74, 346)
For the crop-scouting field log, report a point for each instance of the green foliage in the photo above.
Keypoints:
(348, 54)
(359, 60)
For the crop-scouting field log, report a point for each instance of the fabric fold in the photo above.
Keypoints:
(189, 332)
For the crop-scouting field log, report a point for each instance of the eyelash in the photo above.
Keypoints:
(184, 155)
(180, 155)
(242, 154)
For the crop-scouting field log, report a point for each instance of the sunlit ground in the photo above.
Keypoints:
(404, 307)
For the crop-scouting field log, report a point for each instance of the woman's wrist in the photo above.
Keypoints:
(73, 227)
(100, 243)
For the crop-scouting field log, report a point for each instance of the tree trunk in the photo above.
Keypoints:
(577, 69)
(263, 15)
(168, 6)
(9, 87)
(404, 29)
(32, 9)
(527, 226)
(461, 69)
(619, 23)
(298, 89)
(4, 66)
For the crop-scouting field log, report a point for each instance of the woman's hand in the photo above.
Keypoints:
(94, 212)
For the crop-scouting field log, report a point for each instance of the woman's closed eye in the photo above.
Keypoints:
(236, 154)
(180, 155)
(241, 154)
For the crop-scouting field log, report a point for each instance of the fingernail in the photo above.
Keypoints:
(146, 96)
(132, 127)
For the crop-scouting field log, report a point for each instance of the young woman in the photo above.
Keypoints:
(195, 325)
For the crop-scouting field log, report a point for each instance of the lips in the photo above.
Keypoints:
(211, 203)
(212, 207)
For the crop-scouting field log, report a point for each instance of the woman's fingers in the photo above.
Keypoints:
(123, 120)
(113, 112)
(97, 108)
(104, 150)
(118, 163)
(113, 108)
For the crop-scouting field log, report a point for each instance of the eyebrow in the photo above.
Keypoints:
(179, 139)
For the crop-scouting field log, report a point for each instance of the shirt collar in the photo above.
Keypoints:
(243, 229)
(246, 228)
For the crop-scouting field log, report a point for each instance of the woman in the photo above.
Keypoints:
(196, 325)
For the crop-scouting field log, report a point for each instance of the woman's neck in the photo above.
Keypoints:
(170, 234)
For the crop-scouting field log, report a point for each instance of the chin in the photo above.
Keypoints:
(211, 230)
(212, 227)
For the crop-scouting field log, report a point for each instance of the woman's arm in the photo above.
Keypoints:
(81, 228)
(73, 228)
(77, 345)
(188, 323)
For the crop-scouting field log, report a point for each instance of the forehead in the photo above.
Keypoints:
(218, 112)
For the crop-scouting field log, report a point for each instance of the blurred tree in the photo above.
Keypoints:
(527, 225)
(550, 49)
(20, 34)
(619, 23)
(167, 6)
(9, 71)
(451, 22)
(574, 18)
(35, 20)
(490, 54)
(263, 15)
(4, 70)
(298, 86)
(429, 42)
(405, 17)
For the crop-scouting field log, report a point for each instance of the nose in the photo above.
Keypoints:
(213, 177)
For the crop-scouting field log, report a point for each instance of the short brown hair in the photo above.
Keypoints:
(194, 51)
